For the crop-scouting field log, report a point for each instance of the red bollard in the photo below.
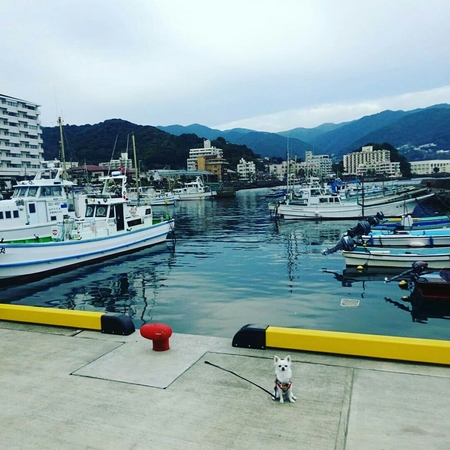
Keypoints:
(159, 333)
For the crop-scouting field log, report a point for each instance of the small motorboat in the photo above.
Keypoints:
(428, 283)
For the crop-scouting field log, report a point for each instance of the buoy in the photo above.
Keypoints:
(403, 284)
(360, 268)
(159, 333)
(405, 298)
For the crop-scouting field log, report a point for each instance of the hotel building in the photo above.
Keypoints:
(430, 167)
(21, 151)
(378, 161)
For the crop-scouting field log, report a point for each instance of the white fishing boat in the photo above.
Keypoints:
(148, 195)
(110, 226)
(367, 233)
(439, 237)
(35, 206)
(363, 235)
(436, 258)
(414, 223)
(194, 190)
(314, 203)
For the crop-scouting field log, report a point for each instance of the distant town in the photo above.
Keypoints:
(22, 155)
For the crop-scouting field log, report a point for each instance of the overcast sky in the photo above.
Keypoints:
(269, 65)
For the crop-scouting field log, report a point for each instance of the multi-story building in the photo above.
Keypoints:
(206, 150)
(246, 169)
(316, 165)
(313, 166)
(280, 171)
(214, 164)
(21, 151)
(368, 159)
(430, 167)
(123, 163)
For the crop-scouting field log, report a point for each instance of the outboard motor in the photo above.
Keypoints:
(361, 228)
(346, 243)
(419, 267)
(364, 226)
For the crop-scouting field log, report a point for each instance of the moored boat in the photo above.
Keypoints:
(407, 222)
(436, 258)
(36, 205)
(110, 226)
(314, 203)
(428, 284)
(435, 284)
(150, 196)
(439, 237)
(367, 234)
(194, 190)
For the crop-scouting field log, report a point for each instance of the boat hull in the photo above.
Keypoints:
(27, 232)
(398, 259)
(434, 285)
(416, 223)
(24, 260)
(423, 238)
(196, 196)
(347, 210)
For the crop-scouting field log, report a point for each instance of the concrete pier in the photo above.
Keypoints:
(64, 388)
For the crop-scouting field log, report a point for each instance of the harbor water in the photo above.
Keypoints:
(232, 264)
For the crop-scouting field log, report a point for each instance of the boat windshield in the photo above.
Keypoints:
(96, 210)
(20, 191)
(50, 191)
(32, 191)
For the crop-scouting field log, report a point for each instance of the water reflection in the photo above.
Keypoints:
(127, 285)
(303, 239)
(349, 276)
(404, 297)
(422, 309)
(231, 265)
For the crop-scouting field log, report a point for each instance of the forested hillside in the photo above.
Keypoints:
(92, 144)
(418, 134)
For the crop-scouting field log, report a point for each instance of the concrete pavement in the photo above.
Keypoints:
(62, 388)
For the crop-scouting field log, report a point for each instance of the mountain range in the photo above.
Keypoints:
(417, 134)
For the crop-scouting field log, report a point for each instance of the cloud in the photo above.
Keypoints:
(339, 112)
(277, 65)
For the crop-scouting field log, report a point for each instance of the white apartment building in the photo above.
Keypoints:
(316, 165)
(280, 171)
(206, 150)
(21, 151)
(123, 163)
(367, 159)
(246, 169)
(313, 166)
(430, 167)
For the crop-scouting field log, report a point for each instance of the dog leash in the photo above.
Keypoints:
(242, 378)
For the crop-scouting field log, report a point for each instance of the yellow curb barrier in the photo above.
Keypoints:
(87, 320)
(351, 344)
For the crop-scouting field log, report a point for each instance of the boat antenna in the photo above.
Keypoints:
(287, 167)
(112, 155)
(61, 142)
(136, 169)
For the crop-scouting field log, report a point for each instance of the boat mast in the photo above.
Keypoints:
(136, 169)
(63, 156)
(288, 169)
(362, 193)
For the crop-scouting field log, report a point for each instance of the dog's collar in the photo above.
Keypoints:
(283, 386)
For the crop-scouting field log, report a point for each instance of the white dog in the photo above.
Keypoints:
(283, 380)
